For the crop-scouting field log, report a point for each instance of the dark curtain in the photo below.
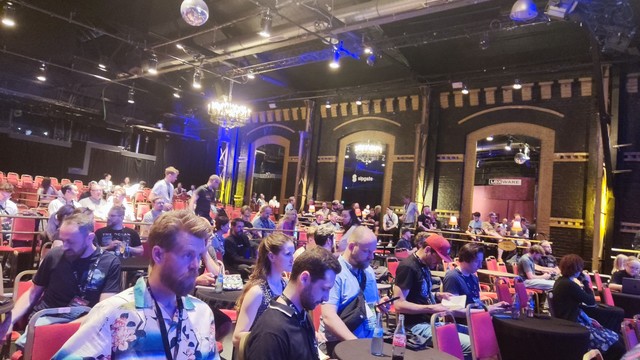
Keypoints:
(121, 166)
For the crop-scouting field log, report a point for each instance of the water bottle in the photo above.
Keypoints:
(399, 340)
(219, 282)
(377, 343)
(531, 307)
(515, 308)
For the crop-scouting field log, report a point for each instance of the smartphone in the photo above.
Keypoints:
(5, 300)
(388, 301)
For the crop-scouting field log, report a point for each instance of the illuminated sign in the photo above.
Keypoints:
(509, 182)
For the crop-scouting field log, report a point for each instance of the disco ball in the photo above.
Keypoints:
(194, 12)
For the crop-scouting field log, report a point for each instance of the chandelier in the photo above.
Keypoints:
(227, 114)
(367, 153)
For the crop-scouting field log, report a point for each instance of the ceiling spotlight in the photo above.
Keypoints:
(130, 97)
(484, 41)
(251, 75)
(194, 12)
(153, 64)
(368, 50)
(197, 79)
(490, 138)
(42, 75)
(335, 62)
(517, 85)
(508, 146)
(176, 94)
(265, 24)
(328, 104)
(8, 14)
(465, 90)
(179, 46)
(523, 10)
(359, 101)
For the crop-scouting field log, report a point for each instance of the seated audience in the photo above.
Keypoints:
(390, 223)
(119, 198)
(156, 210)
(262, 220)
(158, 310)
(426, 220)
(414, 287)
(567, 299)
(69, 196)
(46, 193)
(631, 270)
(105, 183)
(7, 207)
(96, 203)
(115, 238)
(317, 236)
(319, 219)
(133, 189)
(333, 221)
(618, 263)
(325, 210)
(285, 330)
(527, 270)
(356, 278)
(404, 243)
(55, 220)
(216, 247)
(288, 222)
(245, 213)
(238, 252)
(475, 226)
(74, 274)
(548, 262)
(275, 256)
(463, 279)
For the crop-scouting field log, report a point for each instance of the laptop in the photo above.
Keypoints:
(631, 286)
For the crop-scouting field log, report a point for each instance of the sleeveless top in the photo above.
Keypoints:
(267, 296)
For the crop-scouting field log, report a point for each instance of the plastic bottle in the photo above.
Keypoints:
(515, 308)
(219, 282)
(531, 307)
(377, 343)
(399, 340)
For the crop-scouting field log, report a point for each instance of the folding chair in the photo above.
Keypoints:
(503, 291)
(445, 334)
(484, 344)
(492, 263)
(44, 341)
(607, 297)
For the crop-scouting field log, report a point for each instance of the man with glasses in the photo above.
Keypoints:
(120, 240)
(69, 197)
(414, 288)
(96, 203)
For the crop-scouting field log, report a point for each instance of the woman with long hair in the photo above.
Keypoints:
(288, 222)
(349, 222)
(275, 256)
(46, 192)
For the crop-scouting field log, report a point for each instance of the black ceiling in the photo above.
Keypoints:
(456, 40)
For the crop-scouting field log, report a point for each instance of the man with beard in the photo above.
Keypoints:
(117, 238)
(285, 331)
(75, 274)
(356, 279)
(204, 199)
(126, 325)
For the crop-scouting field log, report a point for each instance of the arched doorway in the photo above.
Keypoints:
(268, 165)
(380, 137)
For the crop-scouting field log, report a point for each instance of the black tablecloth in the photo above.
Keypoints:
(540, 338)
(360, 349)
(223, 300)
(134, 263)
(630, 303)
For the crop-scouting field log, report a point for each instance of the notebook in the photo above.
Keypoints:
(631, 286)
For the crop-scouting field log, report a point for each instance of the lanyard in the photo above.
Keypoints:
(163, 327)
(82, 284)
(304, 323)
(426, 274)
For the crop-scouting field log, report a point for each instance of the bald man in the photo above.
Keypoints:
(203, 201)
(356, 279)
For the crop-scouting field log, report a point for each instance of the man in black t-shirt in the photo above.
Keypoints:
(204, 197)
(413, 287)
(238, 252)
(74, 274)
(116, 238)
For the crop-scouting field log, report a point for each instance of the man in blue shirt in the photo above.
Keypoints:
(262, 221)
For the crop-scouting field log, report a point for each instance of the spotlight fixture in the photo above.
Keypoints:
(130, 97)
(368, 50)
(523, 10)
(179, 46)
(102, 64)
(359, 101)
(265, 24)
(490, 138)
(328, 104)
(465, 90)
(176, 94)
(484, 41)
(508, 146)
(8, 14)
(517, 85)
(197, 79)
(153, 64)
(251, 75)
(42, 75)
(335, 62)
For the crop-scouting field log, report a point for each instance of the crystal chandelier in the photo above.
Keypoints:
(227, 114)
(367, 153)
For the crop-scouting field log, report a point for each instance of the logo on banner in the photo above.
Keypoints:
(355, 178)
(508, 182)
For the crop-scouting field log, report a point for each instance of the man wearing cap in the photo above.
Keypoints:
(414, 288)
(475, 226)
(492, 228)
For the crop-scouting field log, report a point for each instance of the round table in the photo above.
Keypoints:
(361, 349)
(224, 300)
(557, 338)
